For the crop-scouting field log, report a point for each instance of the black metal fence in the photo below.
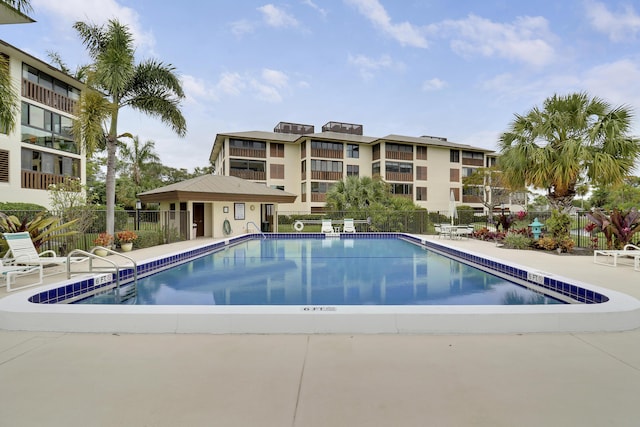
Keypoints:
(153, 228)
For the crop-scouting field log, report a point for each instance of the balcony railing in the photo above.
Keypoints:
(248, 152)
(399, 176)
(330, 154)
(326, 176)
(249, 175)
(471, 198)
(48, 97)
(40, 181)
(472, 162)
(318, 197)
(398, 155)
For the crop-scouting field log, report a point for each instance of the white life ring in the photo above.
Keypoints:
(298, 225)
(226, 227)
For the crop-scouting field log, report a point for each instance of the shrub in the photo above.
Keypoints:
(547, 243)
(517, 241)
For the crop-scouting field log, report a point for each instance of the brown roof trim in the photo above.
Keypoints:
(185, 196)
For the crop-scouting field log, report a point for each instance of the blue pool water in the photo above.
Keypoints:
(327, 272)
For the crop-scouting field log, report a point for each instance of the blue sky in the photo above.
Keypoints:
(458, 69)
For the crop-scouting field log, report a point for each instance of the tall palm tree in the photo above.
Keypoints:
(137, 159)
(9, 101)
(117, 81)
(571, 136)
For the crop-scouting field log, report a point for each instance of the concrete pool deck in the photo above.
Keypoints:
(588, 379)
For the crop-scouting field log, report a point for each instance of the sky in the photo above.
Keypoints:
(456, 69)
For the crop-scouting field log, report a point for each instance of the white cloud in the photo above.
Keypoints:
(404, 33)
(98, 12)
(241, 27)
(196, 89)
(433, 84)
(620, 26)
(527, 40)
(275, 78)
(369, 65)
(231, 83)
(616, 82)
(278, 18)
(312, 5)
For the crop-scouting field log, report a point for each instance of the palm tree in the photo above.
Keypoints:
(572, 136)
(116, 81)
(22, 6)
(356, 194)
(137, 159)
(9, 101)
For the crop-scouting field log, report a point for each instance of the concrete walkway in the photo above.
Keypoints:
(593, 379)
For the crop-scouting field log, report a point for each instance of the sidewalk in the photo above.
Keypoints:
(593, 379)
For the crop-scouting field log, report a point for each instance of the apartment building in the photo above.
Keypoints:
(296, 159)
(41, 150)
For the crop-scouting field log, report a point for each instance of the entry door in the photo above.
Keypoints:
(198, 218)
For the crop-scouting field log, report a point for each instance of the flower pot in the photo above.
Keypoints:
(126, 247)
(100, 252)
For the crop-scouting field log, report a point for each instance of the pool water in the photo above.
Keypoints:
(327, 272)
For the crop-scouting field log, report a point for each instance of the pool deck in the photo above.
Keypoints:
(561, 379)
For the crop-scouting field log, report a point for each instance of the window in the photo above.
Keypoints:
(47, 129)
(454, 156)
(252, 165)
(421, 153)
(4, 166)
(472, 155)
(421, 194)
(326, 166)
(466, 172)
(277, 149)
(454, 175)
(324, 145)
(401, 189)
(399, 147)
(353, 151)
(320, 187)
(247, 144)
(421, 173)
(49, 82)
(303, 167)
(491, 161)
(36, 161)
(375, 169)
(353, 170)
(399, 167)
(277, 171)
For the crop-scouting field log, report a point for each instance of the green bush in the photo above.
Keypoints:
(517, 241)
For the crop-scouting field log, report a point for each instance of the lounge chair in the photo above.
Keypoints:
(629, 251)
(9, 272)
(462, 231)
(348, 226)
(326, 226)
(23, 252)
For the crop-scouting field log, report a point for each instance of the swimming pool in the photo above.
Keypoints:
(327, 272)
(48, 308)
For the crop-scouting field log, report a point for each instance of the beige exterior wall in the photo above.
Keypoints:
(438, 164)
(12, 190)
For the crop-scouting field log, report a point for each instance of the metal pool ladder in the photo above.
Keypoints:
(112, 267)
(256, 227)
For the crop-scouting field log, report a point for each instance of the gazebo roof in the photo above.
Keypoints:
(214, 188)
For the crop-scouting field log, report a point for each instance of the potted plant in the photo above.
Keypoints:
(105, 240)
(126, 239)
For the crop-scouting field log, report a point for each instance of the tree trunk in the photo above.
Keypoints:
(112, 145)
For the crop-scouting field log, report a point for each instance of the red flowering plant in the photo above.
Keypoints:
(126, 236)
(103, 239)
(618, 227)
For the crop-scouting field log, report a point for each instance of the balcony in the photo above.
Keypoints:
(318, 197)
(40, 181)
(470, 198)
(47, 97)
(326, 176)
(330, 154)
(248, 152)
(472, 162)
(399, 176)
(249, 174)
(398, 155)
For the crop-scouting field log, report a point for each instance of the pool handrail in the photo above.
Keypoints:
(256, 227)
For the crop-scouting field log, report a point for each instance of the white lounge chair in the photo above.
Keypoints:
(348, 226)
(462, 231)
(326, 226)
(9, 272)
(23, 252)
(629, 251)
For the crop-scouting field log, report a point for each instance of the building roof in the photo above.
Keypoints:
(427, 140)
(11, 15)
(213, 188)
(338, 136)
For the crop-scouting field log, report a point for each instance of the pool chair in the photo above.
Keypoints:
(23, 252)
(9, 272)
(348, 226)
(326, 226)
(629, 251)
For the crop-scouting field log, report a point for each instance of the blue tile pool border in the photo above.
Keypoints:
(90, 285)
